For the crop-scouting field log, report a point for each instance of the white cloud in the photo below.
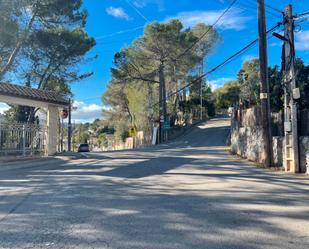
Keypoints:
(302, 40)
(215, 84)
(3, 107)
(275, 44)
(143, 3)
(248, 57)
(231, 20)
(117, 12)
(86, 112)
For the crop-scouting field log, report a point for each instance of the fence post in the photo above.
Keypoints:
(24, 140)
(307, 162)
(0, 139)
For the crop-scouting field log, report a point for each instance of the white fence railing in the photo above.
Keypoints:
(22, 139)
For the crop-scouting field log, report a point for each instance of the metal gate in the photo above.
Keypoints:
(22, 139)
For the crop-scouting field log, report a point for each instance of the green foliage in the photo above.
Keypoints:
(228, 94)
(133, 93)
(49, 39)
(275, 88)
(83, 138)
(122, 130)
(81, 133)
(24, 19)
(18, 114)
(247, 88)
(93, 133)
(249, 82)
(208, 41)
(102, 140)
(55, 53)
(194, 100)
(302, 81)
(8, 31)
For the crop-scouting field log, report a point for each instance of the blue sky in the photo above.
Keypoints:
(115, 23)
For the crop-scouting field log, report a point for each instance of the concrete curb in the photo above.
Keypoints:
(13, 160)
(71, 155)
(28, 164)
(22, 162)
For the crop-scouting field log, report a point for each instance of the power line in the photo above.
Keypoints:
(253, 46)
(137, 11)
(221, 64)
(302, 20)
(208, 30)
(273, 8)
(247, 5)
(226, 61)
(301, 15)
(270, 7)
(119, 32)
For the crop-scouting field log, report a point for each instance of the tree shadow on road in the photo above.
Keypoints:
(181, 197)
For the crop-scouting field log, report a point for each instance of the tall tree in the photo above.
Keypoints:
(302, 81)
(249, 81)
(163, 45)
(50, 41)
(228, 94)
(27, 17)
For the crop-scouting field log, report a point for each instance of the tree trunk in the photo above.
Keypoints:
(16, 50)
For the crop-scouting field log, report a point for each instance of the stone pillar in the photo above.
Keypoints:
(52, 127)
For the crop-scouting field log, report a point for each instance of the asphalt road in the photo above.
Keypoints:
(188, 194)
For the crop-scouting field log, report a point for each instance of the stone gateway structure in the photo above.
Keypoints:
(48, 100)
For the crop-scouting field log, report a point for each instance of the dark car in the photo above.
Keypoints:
(83, 148)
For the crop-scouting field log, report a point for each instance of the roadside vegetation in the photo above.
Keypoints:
(94, 133)
(133, 92)
(246, 88)
(43, 42)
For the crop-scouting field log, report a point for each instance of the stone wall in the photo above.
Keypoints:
(246, 139)
(139, 141)
(304, 150)
(246, 134)
(278, 151)
(247, 142)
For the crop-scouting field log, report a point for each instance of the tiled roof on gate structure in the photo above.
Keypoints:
(13, 90)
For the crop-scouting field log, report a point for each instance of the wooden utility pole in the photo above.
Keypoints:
(264, 92)
(62, 135)
(70, 127)
(162, 100)
(291, 92)
(201, 89)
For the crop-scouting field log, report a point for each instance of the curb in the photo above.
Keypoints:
(16, 165)
(25, 162)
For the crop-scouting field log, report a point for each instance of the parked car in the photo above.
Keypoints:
(83, 148)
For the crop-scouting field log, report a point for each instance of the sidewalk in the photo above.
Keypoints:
(20, 162)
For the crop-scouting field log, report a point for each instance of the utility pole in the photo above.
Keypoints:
(201, 89)
(61, 145)
(264, 88)
(59, 134)
(70, 126)
(162, 100)
(291, 92)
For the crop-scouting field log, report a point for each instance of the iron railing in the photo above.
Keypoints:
(22, 139)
